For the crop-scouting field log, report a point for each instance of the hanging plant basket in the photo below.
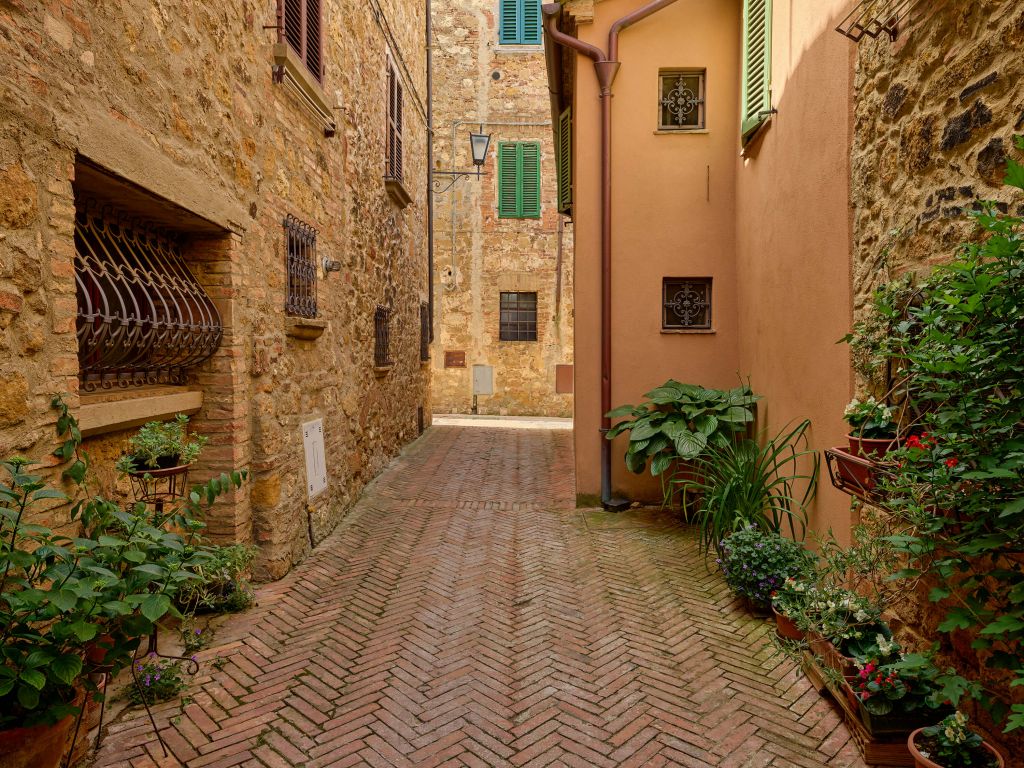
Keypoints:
(160, 485)
(858, 476)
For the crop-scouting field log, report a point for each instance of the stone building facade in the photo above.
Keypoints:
(205, 123)
(481, 81)
(936, 113)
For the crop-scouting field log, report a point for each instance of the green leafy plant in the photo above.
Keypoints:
(221, 583)
(793, 595)
(953, 745)
(756, 564)
(908, 685)
(848, 620)
(681, 422)
(959, 362)
(742, 483)
(161, 445)
(159, 679)
(870, 419)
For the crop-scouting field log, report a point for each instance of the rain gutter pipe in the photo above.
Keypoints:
(605, 68)
(428, 39)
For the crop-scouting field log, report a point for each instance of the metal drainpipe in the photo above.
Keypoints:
(605, 68)
(428, 35)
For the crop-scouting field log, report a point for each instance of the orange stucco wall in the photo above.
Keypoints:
(794, 238)
(666, 223)
(773, 229)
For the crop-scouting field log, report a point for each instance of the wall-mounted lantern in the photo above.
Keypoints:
(478, 145)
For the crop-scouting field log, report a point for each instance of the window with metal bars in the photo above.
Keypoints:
(393, 150)
(382, 337)
(686, 303)
(681, 100)
(518, 320)
(424, 331)
(142, 318)
(299, 24)
(300, 257)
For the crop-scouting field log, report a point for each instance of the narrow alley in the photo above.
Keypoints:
(466, 614)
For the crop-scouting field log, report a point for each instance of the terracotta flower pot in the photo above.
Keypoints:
(786, 627)
(40, 746)
(870, 448)
(920, 761)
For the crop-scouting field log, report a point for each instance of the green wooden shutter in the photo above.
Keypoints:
(508, 181)
(757, 70)
(530, 16)
(508, 21)
(529, 175)
(563, 160)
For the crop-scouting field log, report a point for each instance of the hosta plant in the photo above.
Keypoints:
(681, 422)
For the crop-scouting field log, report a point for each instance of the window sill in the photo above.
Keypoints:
(682, 132)
(309, 91)
(396, 190)
(689, 331)
(380, 371)
(305, 328)
(102, 412)
(515, 49)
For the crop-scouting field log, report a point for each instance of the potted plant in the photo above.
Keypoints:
(951, 744)
(756, 563)
(43, 627)
(221, 585)
(161, 446)
(679, 423)
(789, 601)
(896, 697)
(872, 429)
(839, 623)
(743, 483)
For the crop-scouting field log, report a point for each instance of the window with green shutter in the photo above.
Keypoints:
(519, 180)
(757, 69)
(519, 22)
(563, 160)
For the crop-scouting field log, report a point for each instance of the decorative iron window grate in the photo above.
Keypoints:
(300, 253)
(143, 318)
(686, 303)
(382, 337)
(681, 100)
(873, 17)
(299, 24)
(424, 331)
(393, 151)
(518, 321)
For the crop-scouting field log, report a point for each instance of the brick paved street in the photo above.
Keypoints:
(465, 614)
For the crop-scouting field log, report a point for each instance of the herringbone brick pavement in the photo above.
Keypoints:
(465, 614)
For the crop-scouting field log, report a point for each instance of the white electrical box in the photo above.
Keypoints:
(316, 461)
(483, 379)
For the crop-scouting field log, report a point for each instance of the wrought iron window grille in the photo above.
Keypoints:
(686, 303)
(681, 100)
(300, 255)
(871, 18)
(382, 337)
(518, 316)
(424, 332)
(142, 316)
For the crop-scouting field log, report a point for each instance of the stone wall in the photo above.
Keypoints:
(478, 255)
(936, 113)
(178, 101)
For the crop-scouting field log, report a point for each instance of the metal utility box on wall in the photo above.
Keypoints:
(316, 460)
(483, 379)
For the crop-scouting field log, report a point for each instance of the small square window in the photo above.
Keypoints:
(518, 320)
(681, 100)
(686, 303)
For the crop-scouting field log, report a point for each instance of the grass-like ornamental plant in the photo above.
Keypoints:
(756, 564)
(743, 483)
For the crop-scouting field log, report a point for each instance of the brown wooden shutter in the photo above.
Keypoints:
(394, 126)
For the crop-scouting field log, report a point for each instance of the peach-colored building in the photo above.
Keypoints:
(729, 175)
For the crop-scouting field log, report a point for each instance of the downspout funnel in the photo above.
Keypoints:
(606, 71)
